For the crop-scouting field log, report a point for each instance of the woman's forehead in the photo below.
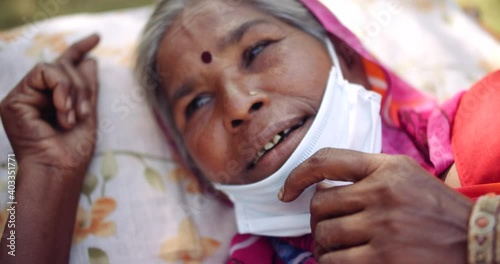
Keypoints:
(209, 20)
(206, 27)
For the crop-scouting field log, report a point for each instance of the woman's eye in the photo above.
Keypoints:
(250, 54)
(196, 104)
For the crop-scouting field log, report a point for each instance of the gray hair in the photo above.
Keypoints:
(291, 12)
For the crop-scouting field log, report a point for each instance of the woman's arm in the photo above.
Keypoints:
(44, 216)
(50, 119)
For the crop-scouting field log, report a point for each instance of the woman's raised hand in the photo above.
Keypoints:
(395, 212)
(50, 116)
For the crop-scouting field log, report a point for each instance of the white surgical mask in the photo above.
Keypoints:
(348, 118)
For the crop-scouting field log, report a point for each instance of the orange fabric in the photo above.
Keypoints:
(373, 71)
(476, 136)
(378, 83)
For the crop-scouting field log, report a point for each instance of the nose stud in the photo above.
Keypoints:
(253, 93)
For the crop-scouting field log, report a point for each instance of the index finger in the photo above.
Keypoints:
(77, 52)
(331, 164)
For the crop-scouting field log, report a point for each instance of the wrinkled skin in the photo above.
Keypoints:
(222, 125)
(395, 212)
(50, 119)
(50, 116)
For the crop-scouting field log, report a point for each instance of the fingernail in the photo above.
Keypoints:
(85, 108)
(69, 103)
(281, 194)
(71, 118)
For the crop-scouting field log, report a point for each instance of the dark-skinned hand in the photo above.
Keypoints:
(395, 212)
(50, 116)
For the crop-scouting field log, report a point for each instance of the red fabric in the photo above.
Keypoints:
(474, 191)
(476, 136)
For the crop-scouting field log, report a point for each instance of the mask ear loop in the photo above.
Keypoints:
(335, 59)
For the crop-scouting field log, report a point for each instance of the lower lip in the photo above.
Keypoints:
(274, 159)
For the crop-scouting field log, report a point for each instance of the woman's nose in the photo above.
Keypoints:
(241, 104)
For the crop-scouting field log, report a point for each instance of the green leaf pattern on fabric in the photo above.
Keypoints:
(98, 256)
(109, 167)
(154, 179)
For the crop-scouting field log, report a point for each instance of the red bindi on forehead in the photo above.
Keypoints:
(206, 57)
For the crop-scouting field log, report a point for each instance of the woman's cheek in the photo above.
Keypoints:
(206, 146)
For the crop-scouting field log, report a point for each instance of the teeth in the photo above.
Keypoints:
(268, 146)
(258, 156)
(276, 139)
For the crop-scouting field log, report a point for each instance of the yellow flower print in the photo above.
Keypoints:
(188, 247)
(180, 174)
(11, 35)
(55, 42)
(93, 222)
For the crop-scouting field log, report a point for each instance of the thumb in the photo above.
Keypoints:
(331, 164)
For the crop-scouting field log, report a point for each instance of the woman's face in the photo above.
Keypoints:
(239, 82)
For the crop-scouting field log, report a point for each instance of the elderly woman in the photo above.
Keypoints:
(278, 106)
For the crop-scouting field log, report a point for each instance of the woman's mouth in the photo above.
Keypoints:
(274, 142)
